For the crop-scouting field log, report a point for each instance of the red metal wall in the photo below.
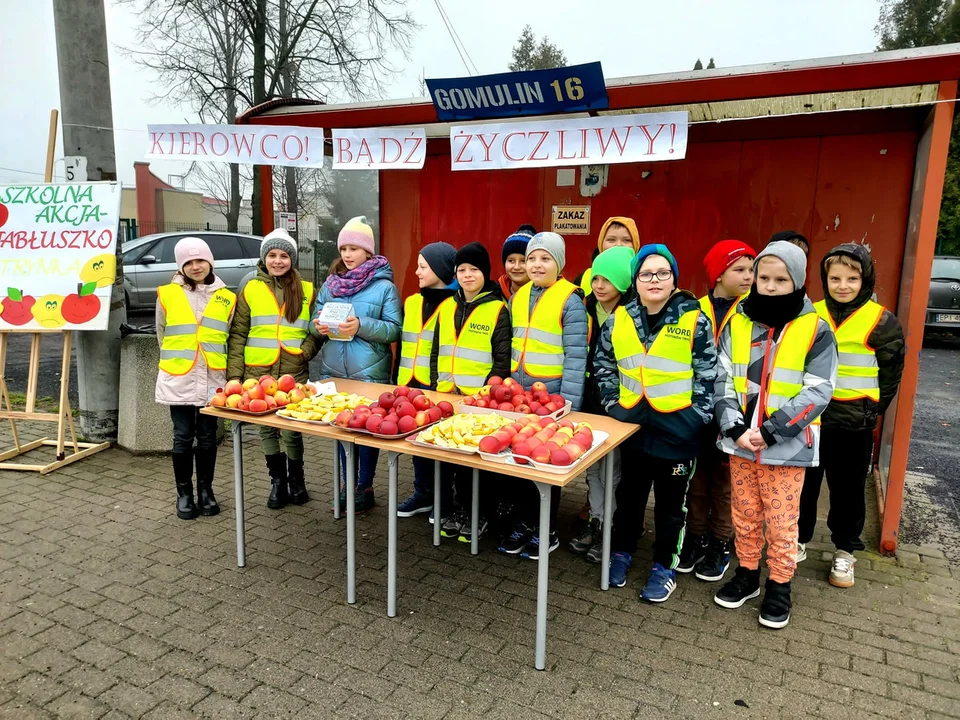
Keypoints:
(744, 188)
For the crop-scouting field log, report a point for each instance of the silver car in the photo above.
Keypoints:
(148, 262)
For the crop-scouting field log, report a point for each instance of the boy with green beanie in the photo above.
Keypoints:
(610, 280)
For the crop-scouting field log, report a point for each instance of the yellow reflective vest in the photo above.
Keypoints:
(785, 380)
(538, 337)
(465, 361)
(858, 374)
(707, 306)
(664, 373)
(270, 331)
(184, 338)
(586, 282)
(416, 343)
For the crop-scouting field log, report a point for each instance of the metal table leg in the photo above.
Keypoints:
(237, 428)
(543, 577)
(336, 480)
(350, 450)
(437, 515)
(392, 458)
(607, 519)
(475, 514)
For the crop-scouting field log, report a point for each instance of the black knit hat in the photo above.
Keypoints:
(791, 236)
(517, 242)
(475, 254)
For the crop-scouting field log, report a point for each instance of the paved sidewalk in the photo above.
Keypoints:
(111, 607)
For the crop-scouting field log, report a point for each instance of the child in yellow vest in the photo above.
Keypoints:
(655, 366)
(193, 318)
(435, 275)
(473, 346)
(275, 306)
(550, 345)
(871, 351)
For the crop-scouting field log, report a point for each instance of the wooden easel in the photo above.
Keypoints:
(63, 417)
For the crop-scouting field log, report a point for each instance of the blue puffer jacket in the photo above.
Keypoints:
(369, 356)
(576, 341)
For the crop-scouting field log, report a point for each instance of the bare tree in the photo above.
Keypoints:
(220, 55)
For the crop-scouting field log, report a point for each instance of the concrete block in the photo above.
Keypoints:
(144, 427)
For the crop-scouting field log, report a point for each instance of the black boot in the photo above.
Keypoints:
(206, 462)
(183, 474)
(277, 467)
(295, 482)
(775, 608)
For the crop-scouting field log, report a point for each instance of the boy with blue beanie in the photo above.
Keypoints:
(514, 256)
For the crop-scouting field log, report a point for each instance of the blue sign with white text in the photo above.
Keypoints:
(533, 92)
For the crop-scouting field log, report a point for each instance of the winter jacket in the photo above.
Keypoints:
(575, 345)
(286, 364)
(198, 385)
(886, 340)
(369, 356)
(591, 395)
(502, 333)
(791, 436)
(671, 436)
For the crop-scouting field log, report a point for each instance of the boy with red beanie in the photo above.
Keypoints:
(706, 548)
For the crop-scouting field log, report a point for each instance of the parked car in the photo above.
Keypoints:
(943, 303)
(148, 262)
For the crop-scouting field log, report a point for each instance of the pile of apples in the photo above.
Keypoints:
(541, 439)
(395, 413)
(509, 396)
(262, 394)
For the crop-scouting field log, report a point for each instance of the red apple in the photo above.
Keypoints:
(362, 410)
(483, 402)
(495, 380)
(565, 423)
(446, 409)
(574, 451)
(434, 414)
(538, 387)
(373, 423)
(422, 418)
(15, 308)
(421, 402)
(244, 402)
(542, 397)
(357, 422)
(281, 398)
(256, 392)
(518, 439)
(268, 384)
(296, 395)
(387, 400)
(378, 411)
(493, 404)
(407, 424)
(401, 391)
(233, 388)
(271, 402)
(541, 454)
(343, 418)
(286, 383)
(511, 383)
(389, 427)
(552, 407)
(534, 442)
(523, 409)
(415, 392)
(490, 445)
(258, 406)
(517, 401)
(218, 400)
(82, 306)
(522, 449)
(392, 418)
(469, 400)
(559, 400)
(560, 457)
(405, 410)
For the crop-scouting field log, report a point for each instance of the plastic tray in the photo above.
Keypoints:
(238, 411)
(364, 431)
(473, 409)
(413, 441)
(599, 437)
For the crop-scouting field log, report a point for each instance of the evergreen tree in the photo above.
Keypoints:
(529, 55)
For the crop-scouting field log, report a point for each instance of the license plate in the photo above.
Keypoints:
(948, 317)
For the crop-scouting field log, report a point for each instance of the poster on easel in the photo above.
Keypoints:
(58, 255)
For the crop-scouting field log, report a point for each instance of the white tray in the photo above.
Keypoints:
(599, 437)
(473, 409)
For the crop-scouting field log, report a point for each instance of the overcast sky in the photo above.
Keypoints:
(630, 37)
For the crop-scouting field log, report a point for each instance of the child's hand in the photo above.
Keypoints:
(756, 440)
(322, 328)
(745, 441)
(350, 327)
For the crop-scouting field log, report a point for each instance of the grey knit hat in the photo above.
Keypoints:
(792, 256)
(551, 243)
(279, 239)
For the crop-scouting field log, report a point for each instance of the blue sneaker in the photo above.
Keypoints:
(414, 505)
(620, 563)
(660, 584)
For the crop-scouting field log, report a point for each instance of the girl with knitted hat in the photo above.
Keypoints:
(550, 342)
(514, 257)
(655, 366)
(709, 540)
(617, 231)
(365, 280)
(269, 336)
(610, 280)
(436, 276)
(193, 313)
(776, 372)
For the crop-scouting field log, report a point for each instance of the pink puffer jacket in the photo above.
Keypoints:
(198, 385)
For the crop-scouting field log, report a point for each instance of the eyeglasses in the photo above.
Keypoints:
(661, 275)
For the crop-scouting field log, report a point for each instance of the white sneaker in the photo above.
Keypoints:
(841, 574)
(801, 552)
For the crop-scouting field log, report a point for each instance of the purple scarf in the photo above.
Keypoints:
(353, 281)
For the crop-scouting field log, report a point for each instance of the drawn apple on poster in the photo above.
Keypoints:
(4, 214)
(15, 308)
(82, 306)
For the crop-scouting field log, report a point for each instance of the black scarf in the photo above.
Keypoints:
(774, 311)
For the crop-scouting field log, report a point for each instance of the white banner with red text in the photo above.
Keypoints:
(379, 149)
(575, 141)
(247, 144)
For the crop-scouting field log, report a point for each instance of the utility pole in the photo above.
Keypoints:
(87, 120)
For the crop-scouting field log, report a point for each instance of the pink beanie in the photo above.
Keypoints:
(192, 248)
(357, 232)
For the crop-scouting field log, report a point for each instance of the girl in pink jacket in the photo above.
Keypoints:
(193, 321)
